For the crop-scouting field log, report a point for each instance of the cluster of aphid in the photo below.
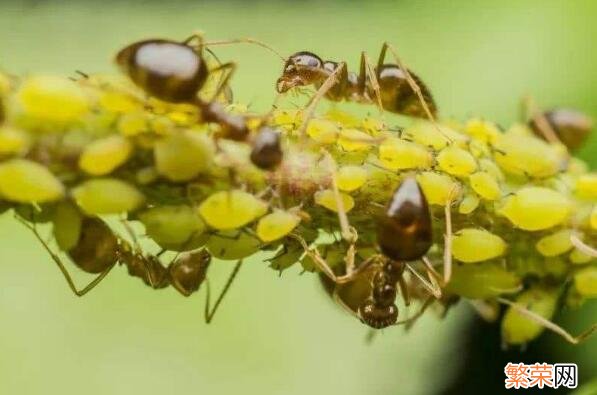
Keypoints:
(436, 211)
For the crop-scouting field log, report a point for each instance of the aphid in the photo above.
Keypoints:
(392, 86)
(176, 71)
(571, 127)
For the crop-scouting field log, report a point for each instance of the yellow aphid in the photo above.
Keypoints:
(347, 120)
(354, 140)
(438, 188)
(586, 186)
(181, 157)
(233, 245)
(469, 203)
(476, 245)
(425, 133)
(397, 154)
(184, 114)
(593, 218)
(66, 220)
(25, 181)
(350, 178)
(482, 130)
(555, 244)
(578, 257)
(327, 199)
(54, 99)
(485, 185)
(119, 102)
(526, 155)
(146, 175)
(287, 118)
(226, 210)
(12, 141)
(493, 169)
(132, 124)
(104, 155)
(107, 196)
(479, 149)
(276, 225)
(174, 227)
(323, 131)
(585, 282)
(482, 281)
(518, 328)
(456, 161)
(536, 208)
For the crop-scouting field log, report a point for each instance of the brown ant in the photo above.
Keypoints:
(392, 86)
(98, 250)
(175, 72)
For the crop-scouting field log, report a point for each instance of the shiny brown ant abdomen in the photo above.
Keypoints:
(97, 247)
(266, 152)
(188, 271)
(397, 95)
(571, 127)
(405, 230)
(169, 70)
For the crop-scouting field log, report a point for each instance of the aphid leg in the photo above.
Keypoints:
(548, 324)
(431, 287)
(367, 70)
(448, 243)
(313, 253)
(323, 89)
(60, 264)
(531, 110)
(411, 82)
(210, 312)
(582, 247)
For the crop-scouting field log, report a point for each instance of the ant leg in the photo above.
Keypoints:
(411, 320)
(245, 40)
(431, 287)
(368, 70)
(411, 82)
(448, 244)
(404, 290)
(323, 89)
(60, 264)
(548, 324)
(231, 67)
(341, 303)
(348, 233)
(209, 315)
(326, 269)
(530, 110)
(582, 247)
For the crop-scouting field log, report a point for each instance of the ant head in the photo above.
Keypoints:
(302, 68)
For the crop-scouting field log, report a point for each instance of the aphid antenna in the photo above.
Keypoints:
(549, 324)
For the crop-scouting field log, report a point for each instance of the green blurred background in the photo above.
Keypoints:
(277, 336)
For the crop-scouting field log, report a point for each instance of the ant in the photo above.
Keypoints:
(394, 87)
(175, 72)
(98, 250)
